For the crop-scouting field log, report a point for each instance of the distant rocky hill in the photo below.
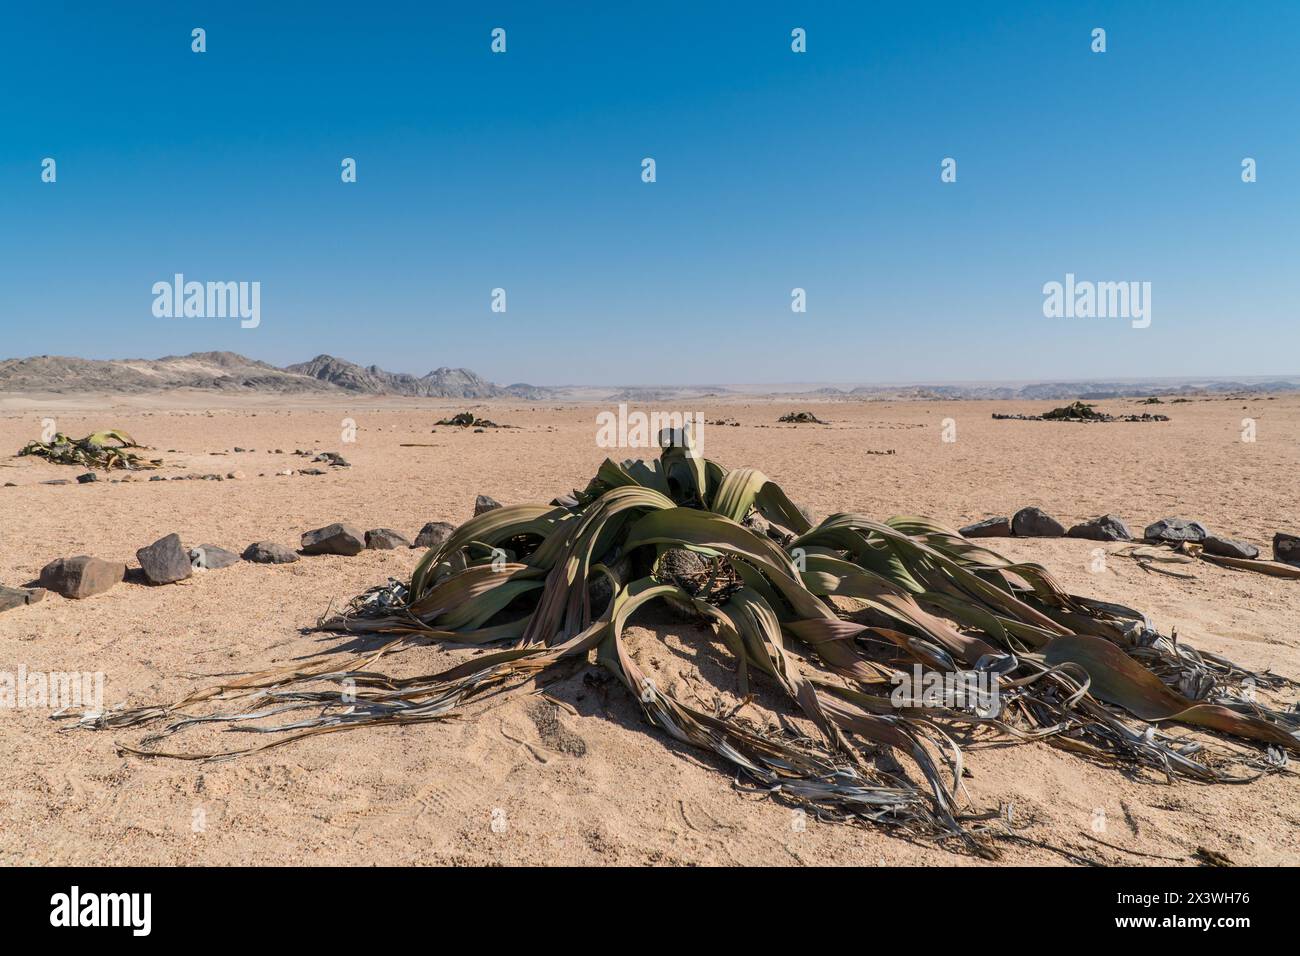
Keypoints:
(373, 380)
(1058, 391)
(229, 371)
(328, 375)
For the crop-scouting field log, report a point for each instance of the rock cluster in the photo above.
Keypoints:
(1035, 523)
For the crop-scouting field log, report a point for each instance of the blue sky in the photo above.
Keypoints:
(775, 170)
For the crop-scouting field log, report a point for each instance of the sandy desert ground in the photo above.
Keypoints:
(589, 782)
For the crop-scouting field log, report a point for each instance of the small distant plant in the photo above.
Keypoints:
(105, 449)
(467, 420)
(1073, 411)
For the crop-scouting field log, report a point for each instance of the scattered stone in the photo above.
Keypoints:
(157, 478)
(337, 538)
(209, 557)
(57, 481)
(1286, 547)
(238, 449)
(433, 534)
(11, 598)
(988, 528)
(165, 561)
(1035, 523)
(1105, 528)
(87, 478)
(82, 576)
(483, 503)
(334, 458)
(269, 552)
(10, 484)
(1230, 548)
(236, 476)
(385, 539)
(1174, 530)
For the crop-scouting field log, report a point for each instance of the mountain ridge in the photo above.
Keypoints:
(230, 371)
(329, 375)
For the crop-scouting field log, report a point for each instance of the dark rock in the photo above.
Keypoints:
(1174, 530)
(385, 539)
(337, 538)
(82, 576)
(208, 557)
(1105, 528)
(988, 528)
(11, 598)
(334, 458)
(1286, 547)
(1035, 523)
(165, 561)
(310, 471)
(483, 503)
(269, 552)
(57, 481)
(1230, 548)
(433, 534)
(87, 478)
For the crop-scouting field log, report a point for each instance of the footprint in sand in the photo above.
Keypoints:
(546, 718)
